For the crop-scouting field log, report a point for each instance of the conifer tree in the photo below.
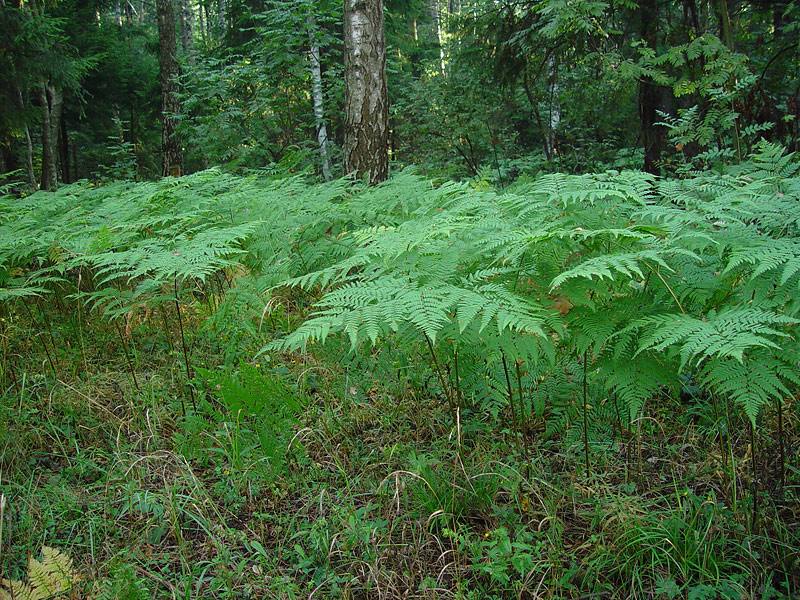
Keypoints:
(171, 151)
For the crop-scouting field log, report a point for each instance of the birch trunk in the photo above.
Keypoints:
(187, 41)
(317, 97)
(437, 30)
(555, 109)
(366, 143)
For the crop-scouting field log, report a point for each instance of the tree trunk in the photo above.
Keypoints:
(187, 41)
(28, 145)
(52, 101)
(649, 95)
(63, 150)
(727, 37)
(316, 92)
(222, 20)
(29, 158)
(554, 108)
(74, 161)
(437, 30)
(171, 153)
(366, 119)
(725, 23)
(202, 23)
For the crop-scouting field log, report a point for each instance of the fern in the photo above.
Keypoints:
(650, 277)
(52, 577)
(728, 333)
(762, 379)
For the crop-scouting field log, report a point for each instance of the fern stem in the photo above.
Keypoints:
(459, 399)
(666, 285)
(207, 292)
(781, 445)
(442, 382)
(48, 324)
(722, 451)
(219, 283)
(523, 421)
(754, 483)
(41, 341)
(165, 320)
(585, 418)
(731, 457)
(514, 423)
(79, 312)
(185, 351)
(6, 364)
(127, 355)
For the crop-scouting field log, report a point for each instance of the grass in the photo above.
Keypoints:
(369, 494)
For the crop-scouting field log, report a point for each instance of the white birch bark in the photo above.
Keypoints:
(366, 143)
(187, 40)
(317, 98)
(437, 27)
(555, 107)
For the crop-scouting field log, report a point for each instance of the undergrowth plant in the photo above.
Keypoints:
(367, 347)
(643, 281)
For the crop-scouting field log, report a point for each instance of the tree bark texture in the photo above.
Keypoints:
(436, 18)
(52, 101)
(653, 137)
(171, 152)
(366, 143)
(317, 97)
(63, 149)
(554, 109)
(222, 18)
(187, 41)
(28, 145)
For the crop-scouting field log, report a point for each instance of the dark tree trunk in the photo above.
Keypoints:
(366, 119)
(726, 33)
(171, 153)
(52, 102)
(28, 145)
(653, 137)
(63, 150)
(202, 22)
(74, 161)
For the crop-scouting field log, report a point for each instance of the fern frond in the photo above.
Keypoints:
(728, 333)
(48, 578)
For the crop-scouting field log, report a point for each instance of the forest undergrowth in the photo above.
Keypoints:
(258, 386)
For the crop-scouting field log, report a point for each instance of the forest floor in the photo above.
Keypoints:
(363, 488)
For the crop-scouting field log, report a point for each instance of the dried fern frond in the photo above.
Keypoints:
(49, 578)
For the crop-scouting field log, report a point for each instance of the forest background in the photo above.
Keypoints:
(532, 336)
(474, 87)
